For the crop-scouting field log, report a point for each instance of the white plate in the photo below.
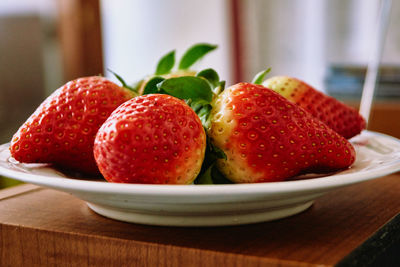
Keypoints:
(211, 205)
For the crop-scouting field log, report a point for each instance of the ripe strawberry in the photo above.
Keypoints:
(340, 117)
(267, 138)
(152, 139)
(62, 129)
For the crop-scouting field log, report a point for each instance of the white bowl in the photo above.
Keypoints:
(211, 205)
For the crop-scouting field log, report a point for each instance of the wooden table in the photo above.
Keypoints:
(354, 226)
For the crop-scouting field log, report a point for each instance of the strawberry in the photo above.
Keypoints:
(340, 117)
(267, 138)
(62, 129)
(152, 139)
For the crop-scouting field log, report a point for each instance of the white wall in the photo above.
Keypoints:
(21, 7)
(137, 33)
(302, 38)
(287, 36)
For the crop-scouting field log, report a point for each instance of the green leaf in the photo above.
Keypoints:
(204, 115)
(205, 177)
(122, 81)
(203, 110)
(151, 85)
(220, 88)
(219, 153)
(187, 87)
(209, 173)
(197, 105)
(195, 53)
(218, 177)
(166, 63)
(212, 176)
(259, 78)
(213, 152)
(210, 75)
(135, 86)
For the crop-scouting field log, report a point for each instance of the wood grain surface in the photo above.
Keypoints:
(43, 227)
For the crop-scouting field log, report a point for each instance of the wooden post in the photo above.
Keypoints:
(80, 38)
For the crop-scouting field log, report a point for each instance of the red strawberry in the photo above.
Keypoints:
(340, 117)
(153, 139)
(62, 129)
(267, 138)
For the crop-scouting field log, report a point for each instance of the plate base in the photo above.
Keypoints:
(187, 219)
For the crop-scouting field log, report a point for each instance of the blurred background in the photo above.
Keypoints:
(45, 43)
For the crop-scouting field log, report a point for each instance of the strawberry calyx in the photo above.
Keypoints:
(151, 85)
(123, 83)
(166, 64)
(260, 77)
(194, 54)
(209, 173)
(213, 78)
(197, 91)
(187, 88)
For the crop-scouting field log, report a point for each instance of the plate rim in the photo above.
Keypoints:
(312, 184)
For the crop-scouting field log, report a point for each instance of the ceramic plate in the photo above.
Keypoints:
(211, 205)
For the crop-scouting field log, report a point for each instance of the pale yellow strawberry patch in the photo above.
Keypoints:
(222, 127)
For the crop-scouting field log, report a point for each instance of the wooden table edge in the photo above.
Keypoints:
(17, 190)
(380, 249)
(374, 250)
